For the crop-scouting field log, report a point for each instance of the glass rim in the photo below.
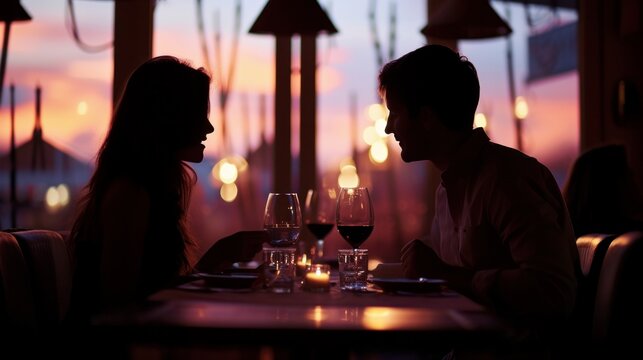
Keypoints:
(282, 193)
(281, 249)
(352, 251)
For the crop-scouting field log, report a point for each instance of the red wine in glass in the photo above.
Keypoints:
(320, 230)
(319, 217)
(354, 215)
(355, 234)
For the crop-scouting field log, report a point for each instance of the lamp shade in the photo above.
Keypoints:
(465, 19)
(11, 10)
(289, 17)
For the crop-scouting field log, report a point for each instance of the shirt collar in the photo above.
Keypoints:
(466, 158)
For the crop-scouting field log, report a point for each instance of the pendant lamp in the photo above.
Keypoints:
(465, 19)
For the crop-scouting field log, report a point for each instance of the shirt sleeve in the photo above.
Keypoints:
(529, 214)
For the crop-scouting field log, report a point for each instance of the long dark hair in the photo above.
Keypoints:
(148, 126)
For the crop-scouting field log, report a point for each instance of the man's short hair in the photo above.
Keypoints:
(437, 77)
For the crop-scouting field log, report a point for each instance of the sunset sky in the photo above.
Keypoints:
(77, 85)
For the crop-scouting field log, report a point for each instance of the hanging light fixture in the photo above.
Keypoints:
(290, 17)
(465, 19)
(10, 11)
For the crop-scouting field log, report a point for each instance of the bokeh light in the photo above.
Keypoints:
(521, 110)
(480, 120)
(229, 192)
(378, 153)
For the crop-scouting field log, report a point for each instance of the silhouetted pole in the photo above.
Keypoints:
(38, 148)
(512, 87)
(133, 30)
(354, 119)
(12, 158)
(282, 161)
(5, 50)
(225, 83)
(10, 11)
(308, 116)
(203, 44)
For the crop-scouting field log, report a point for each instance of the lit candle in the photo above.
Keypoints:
(317, 278)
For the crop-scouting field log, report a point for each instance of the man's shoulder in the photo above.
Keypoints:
(510, 159)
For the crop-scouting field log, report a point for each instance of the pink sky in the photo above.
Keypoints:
(42, 52)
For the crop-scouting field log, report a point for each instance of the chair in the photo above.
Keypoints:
(35, 289)
(618, 312)
(591, 250)
(16, 299)
(49, 265)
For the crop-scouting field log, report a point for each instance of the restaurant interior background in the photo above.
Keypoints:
(62, 60)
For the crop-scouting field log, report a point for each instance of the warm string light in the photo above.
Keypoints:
(226, 171)
(521, 109)
(57, 197)
(348, 177)
(375, 134)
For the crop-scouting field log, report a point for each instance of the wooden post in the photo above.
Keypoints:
(133, 30)
(308, 117)
(282, 171)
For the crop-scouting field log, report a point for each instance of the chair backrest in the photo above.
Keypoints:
(48, 260)
(618, 313)
(591, 251)
(16, 297)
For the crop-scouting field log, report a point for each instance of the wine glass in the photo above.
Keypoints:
(320, 216)
(282, 219)
(354, 216)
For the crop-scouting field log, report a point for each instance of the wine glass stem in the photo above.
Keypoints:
(319, 248)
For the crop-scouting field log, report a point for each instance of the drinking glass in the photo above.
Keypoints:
(320, 216)
(282, 219)
(353, 269)
(279, 269)
(354, 215)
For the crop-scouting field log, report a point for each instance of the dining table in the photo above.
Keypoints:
(342, 322)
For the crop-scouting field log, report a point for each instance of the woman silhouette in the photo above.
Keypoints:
(130, 236)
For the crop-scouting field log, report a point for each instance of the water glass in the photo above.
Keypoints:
(282, 219)
(279, 269)
(353, 269)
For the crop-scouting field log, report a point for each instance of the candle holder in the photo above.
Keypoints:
(317, 279)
